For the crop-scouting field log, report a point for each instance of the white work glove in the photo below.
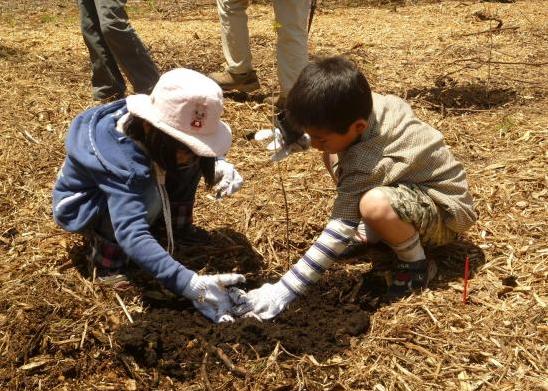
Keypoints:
(264, 303)
(227, 180)
(210, 296)
(278, 143)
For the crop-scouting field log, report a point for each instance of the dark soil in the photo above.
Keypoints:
(319, 325)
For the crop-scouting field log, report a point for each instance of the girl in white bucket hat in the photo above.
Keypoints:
(131, 161)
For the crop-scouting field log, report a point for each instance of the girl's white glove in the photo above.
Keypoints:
(278, 144)
(227, 180)
(210, 296)
(265, 302)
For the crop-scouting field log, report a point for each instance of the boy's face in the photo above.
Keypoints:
(331, 142)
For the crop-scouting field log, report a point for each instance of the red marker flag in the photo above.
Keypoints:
(466, 275)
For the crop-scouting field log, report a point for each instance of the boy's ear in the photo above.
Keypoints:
(359, 127)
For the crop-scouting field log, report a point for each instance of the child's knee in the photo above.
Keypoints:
(375, 206)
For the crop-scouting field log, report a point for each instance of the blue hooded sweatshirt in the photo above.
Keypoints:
(106, 170)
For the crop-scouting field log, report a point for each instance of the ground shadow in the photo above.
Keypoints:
(171, 337)
(228, 252)
(450, 98)
(321, 324)
(8, 52)
(450, 260)
(238, 96)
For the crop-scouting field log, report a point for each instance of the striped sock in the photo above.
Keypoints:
(409, 251)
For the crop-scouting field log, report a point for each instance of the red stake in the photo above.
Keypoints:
(466, 275)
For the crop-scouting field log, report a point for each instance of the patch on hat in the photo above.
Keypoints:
(198, 116)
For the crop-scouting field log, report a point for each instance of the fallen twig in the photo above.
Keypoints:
(124, 308)
(228, 363)
(203, 371)
(480, 61)
(84, 335)
(29, 137)
(240, 372)
(466, 276)
(351, 297)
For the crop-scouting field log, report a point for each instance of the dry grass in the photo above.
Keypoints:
(485, 91)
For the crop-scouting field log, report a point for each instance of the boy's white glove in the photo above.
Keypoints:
(265, 302)
(227, 180)
(279, 145)
(210, 296)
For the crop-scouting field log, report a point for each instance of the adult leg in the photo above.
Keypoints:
(235, 35)
(125, 45)
(106, 79)
(239, 73)
(292, 41)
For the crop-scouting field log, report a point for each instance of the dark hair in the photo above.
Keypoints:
(162, 149)
(330, 93)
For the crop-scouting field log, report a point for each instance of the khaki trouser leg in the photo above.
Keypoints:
(292, 44)
(235, 35)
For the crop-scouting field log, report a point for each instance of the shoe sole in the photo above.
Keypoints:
(243, 87)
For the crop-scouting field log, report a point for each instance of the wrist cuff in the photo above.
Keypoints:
(284, 292)
(191, 289)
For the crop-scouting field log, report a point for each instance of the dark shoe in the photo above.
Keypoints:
(190, 235)
(110, 98)
(411, 277)
(244, 82)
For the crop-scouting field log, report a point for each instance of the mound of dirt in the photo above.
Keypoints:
(173, 341)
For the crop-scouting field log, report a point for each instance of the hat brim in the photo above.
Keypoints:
(208, 145)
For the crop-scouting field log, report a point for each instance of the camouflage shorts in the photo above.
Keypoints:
(413, 206)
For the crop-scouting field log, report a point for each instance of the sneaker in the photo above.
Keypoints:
(411, 277)
(190, 235)
(244, 82)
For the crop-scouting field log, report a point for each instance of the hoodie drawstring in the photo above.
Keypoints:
(161, 181)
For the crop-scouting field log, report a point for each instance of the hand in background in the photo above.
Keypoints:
(279, 145)
(227, 179)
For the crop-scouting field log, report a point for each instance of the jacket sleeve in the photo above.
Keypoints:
(128, 213)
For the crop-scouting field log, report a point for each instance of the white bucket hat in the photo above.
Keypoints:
(187, 106)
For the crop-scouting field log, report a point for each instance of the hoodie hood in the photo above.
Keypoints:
(94, 142)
